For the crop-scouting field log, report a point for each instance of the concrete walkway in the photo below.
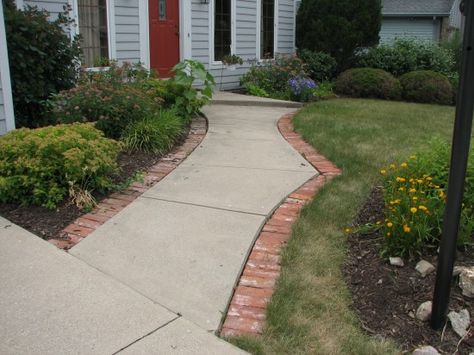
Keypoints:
(157, 277)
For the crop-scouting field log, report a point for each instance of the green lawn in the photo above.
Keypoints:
(310, 311)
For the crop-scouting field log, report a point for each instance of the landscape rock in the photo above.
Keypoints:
(396, 261)
(460, 322)
(466, 282)
(426, 350)
(423, 312)
(424, 268)
(457, 270)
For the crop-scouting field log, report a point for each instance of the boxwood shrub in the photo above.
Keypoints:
(368, 82)
(42, 166)
(426, 86)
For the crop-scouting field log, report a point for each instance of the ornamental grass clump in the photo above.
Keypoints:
(415, 198)
(43, 166)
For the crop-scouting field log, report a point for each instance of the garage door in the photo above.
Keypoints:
(420, 28)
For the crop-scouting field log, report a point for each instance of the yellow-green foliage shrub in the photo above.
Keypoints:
(415, 196)
(42, 166)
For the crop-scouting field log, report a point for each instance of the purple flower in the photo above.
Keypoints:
(300, 84)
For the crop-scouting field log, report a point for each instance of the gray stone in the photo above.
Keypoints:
(466, 282)
(460, 321)
(423, 312)
(396, 261)
(53, 303)
(457, 270)
(424, 268)
(426, 350)
(182, 337)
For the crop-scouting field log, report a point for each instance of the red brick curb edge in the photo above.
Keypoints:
(109, 207)
(246, 312)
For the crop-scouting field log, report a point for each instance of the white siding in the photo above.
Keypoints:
(54, 7)
(3, 121)
(420, 28)
(127, 30)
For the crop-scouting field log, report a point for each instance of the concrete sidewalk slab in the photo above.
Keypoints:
(53, 303)
(238, 189)
(181, 337)
(228, 98)
(184, 257)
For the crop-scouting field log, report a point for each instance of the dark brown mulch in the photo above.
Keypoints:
(386, 297)
(47, 223)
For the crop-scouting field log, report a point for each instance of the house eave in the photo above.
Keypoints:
(424, 14)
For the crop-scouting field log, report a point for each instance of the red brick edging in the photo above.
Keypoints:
(109, 207)
(246, 312)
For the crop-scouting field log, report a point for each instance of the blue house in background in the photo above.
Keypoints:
(431, 20)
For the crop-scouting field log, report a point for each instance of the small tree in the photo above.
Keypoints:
(338, 27)
(43, 60)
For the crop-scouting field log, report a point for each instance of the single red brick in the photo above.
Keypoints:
(64, 244)
(261, 265)
(257, 282)
(246, 312)
(267, 246)
(276, 237)
(123, 197)
(93, 216)
(78, 230)
(114, 202)
(252, 297)
(272, 228)
(244, 324)
(84, 222)
(263, 256)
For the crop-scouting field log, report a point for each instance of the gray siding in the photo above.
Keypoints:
(54, 7)
(420, 28)
(127, 30)
(3, 120)
(246, 37)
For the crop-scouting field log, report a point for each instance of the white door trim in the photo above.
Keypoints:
(5, 76)
(144, 22)
(185, 29)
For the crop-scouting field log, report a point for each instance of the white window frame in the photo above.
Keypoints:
(5, 77)
(258, 41)
(233, 34)
(111, 35)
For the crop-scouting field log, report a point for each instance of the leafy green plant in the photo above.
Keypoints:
(321, 66)
(255, 90)
(42, 166)
(415, 195)
(368, 82)
(111, 106)
(43, 61)
(426, 86)
(407, 55)
(187, 74)
(156, 133)
(324, 91)
(232, 60)
(338, 27)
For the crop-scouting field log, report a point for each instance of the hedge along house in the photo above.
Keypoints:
(429, 20)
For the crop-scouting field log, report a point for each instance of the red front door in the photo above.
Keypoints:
(164, 35)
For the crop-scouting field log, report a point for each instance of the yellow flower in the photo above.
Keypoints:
(389, 234)
(389, 224)
(347, 230)
(401, 189)
(413, 157)
(441, 194)
(400, 179)
(404, 165)
(419, 181)
(412, 190)
(429, 178)
(413, 210)
(412, 180)
(383, 172)
(392, 166)
(378, 222)
(422, 208)
(406, 229)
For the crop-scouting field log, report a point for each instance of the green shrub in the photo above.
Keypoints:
(255, 90)
(368, 82)
(156, 133)
(338, 27)
(43, 61)
(112, 107)
(324, 91)
(42, 166)
(272, 77)
(407, 55)
(321, 66)
(415, 195)
(426, 86)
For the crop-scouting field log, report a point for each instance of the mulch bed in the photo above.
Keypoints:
(48, 224)
(386, 297)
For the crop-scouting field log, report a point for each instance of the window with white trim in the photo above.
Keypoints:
(222, 29)
(267, 29)
(93, 29)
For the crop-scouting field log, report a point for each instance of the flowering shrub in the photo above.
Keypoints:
(301, 88)
(42, 166)
(415, 196)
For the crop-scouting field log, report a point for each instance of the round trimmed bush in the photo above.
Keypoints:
(427, 86)
(321, 66)
(368, 82)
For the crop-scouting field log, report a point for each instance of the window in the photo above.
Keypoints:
(93, 30)
(222, 29)
(267, 29)
(162, 10)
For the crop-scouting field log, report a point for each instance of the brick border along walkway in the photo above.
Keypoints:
(246, 312)
(109, 207)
